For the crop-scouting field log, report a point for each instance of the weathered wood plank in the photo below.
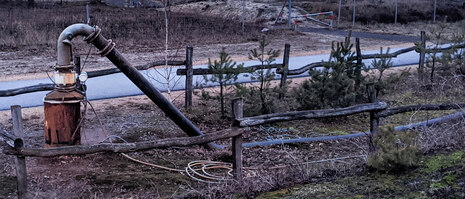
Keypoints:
(47, 87)
(28, 89)
(358, 65)
(312, 114)
(390, 55)
(237, 108)
(237, 156)
(285, 69)
(20, 161)
(421, 62)
(419, 107)
(302, 70)
(10, 139)
(374, 119)
(125, 147)
(189, 77)
(140, 67)
(206, 71)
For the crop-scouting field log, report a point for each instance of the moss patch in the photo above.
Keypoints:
(443, 161)
(438, 176)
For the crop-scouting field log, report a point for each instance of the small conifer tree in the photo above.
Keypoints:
(397, 150)
(223, 72)
(265, 75)
(332, 85)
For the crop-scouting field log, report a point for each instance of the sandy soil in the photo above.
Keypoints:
(32, 64)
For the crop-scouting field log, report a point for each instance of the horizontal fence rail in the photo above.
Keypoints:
(141, 67)
(420, 107)
(311, 114)
(10, 139)
(90, 74)
(124, 147)
(28, 89)
(390, 55)
(206, 71)
(302, 70)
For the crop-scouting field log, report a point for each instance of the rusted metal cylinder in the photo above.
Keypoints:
(62, 116)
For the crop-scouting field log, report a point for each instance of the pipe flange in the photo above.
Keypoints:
(65, 67)
(90, 38)
(108, 48)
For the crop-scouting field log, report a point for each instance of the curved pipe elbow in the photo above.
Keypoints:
(64, 42)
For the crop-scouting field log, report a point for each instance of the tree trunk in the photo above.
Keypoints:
(221, 98)
(30, 3)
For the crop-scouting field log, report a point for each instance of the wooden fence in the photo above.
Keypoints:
(15, 146)
(376, 109)
(91, 74)
(15, 143)
(281, 68)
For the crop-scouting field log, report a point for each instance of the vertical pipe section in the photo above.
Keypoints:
(77, 69)
(189, 77)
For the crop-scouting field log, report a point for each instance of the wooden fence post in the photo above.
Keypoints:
(422, 56)
(237, 111)
(237, 108)
(20, 161)
(77, 69)
(285, 69)
(189, 76)
(358, 67)
(374, 119)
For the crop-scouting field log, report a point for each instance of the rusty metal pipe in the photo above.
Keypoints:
(64, 47)
(132, 73)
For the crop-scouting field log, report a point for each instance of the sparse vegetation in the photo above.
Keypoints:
(434, 155)
(224, 72)
(397, 151)
(333, 85)
(374, 73)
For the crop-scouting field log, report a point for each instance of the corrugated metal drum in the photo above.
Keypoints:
(62, 116)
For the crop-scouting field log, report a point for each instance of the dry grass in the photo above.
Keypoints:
(383, 11)
(129, 27)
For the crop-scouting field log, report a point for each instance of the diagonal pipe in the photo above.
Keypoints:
(106, 48)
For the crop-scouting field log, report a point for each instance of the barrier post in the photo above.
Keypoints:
(374, 119)
(285, 69)
(189, 77)
(421, 62)
(237, 113)
(20, 161)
